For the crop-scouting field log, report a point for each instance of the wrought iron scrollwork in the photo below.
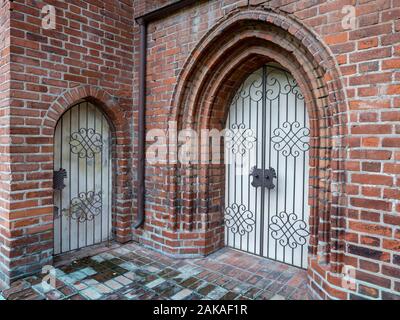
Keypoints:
(251, 88)
(289, 230)
(86, 143)
(291, 139)
(239, 220)
(280, 82)
(240, 139)
(85, 207)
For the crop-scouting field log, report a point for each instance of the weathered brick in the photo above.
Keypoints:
(370, 228)
(368, 253)
(371, 204)
(372, 179)
(94, 52)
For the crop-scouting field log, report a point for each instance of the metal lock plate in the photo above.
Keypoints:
(263, 178)
(58, 179)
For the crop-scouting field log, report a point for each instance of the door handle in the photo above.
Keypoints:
(263, 178)
(56, 212)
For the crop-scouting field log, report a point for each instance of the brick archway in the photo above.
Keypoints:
(239, 44)
(100, 97)
(121, 148)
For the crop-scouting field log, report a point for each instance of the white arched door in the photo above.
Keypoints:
(82, 179)
(267, 153)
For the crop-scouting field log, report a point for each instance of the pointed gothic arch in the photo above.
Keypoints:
(241, 43)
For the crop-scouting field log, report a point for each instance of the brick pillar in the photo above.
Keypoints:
(51, 73)
(5, 166)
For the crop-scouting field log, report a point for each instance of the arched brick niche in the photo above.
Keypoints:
(32, 248)
(121, 148)
(241, 43)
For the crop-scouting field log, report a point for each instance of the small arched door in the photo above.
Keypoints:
(267, 148)
(82, 180)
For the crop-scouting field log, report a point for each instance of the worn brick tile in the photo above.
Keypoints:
(54, 295)
(266, 295)
(27, 294)
(252, 293)
(134, 294)
(17, 287)
(67, 291)
(185, 293)
(88, 271)
(102, 289)
(207, 289)
(189, 282)
(77, 297)
(278, 297)
(155, 283)
(230, 296)
(123, 280)
(301, 295)
(91, 294)
(182, 280)
(114, 285)
(217, 293)
(276, 287)
(286, 291)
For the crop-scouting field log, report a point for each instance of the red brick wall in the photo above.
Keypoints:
(88, 55)
(4, 139)
(359, 225)
(353, 87)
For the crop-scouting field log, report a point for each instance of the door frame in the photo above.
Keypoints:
(260, 134)
(113, 164)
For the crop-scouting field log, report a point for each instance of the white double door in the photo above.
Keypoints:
(267, 154)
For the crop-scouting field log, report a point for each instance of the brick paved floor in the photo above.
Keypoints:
(133, 272)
